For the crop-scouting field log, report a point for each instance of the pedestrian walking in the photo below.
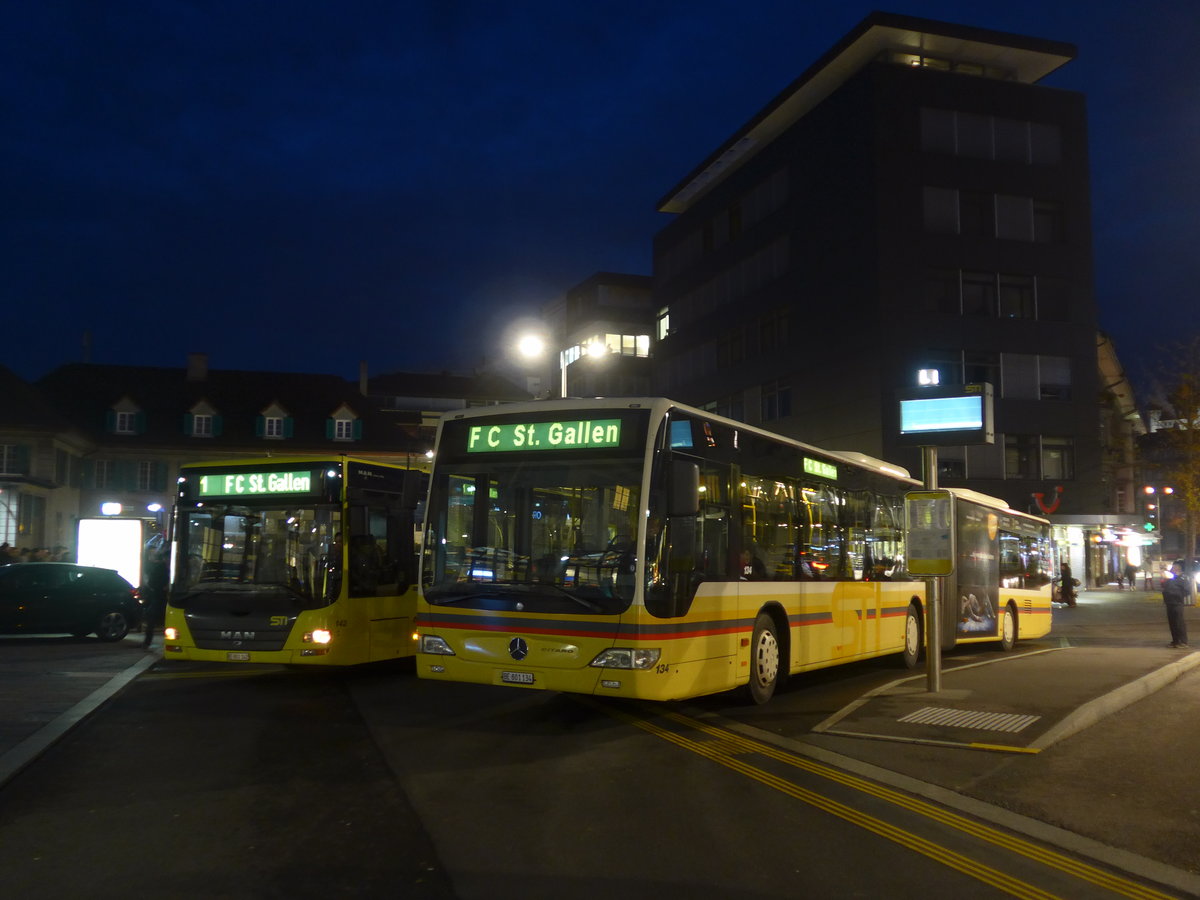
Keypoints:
(1066, 588)
(1176, 596)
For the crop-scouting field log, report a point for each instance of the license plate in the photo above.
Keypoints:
(517, 677)
(238, 656)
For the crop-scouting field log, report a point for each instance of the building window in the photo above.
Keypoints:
(941, 210)
(1020, 373)
(1047, 222)
(1014, 218)
(9, 462)
(1021, 456)
(976, 214)
(1058, 458)
(1017, 297)
(978, 367)
(145, 475)
(124, 423)
(978, 294)
(343, 429)
(1053, 300)
(273, 427)
(1055, 380)
(104, 470)
(776, 399)
(202, 426)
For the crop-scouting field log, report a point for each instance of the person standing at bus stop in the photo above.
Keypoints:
(1175, 595)
(154, 594)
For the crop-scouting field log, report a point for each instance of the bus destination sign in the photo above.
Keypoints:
(582, 435)
(255, 484)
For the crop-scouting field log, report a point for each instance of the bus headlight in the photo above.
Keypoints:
(171, 633)
(627, 658)
(431, 643)
(318, 636)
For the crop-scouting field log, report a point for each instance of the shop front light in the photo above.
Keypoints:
(627, 658)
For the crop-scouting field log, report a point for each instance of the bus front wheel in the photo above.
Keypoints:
(1008, 629)
(764, 659)
(913, 634)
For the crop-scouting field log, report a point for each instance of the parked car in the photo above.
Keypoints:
(50, 598)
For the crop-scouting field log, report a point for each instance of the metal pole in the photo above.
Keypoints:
(933, 633)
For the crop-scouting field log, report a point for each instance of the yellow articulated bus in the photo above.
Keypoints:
(294, 560)
(640, 548)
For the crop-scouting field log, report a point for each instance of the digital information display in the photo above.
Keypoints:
(580, 435)
(941, 414)
(816, 467)
(241, 484)
(946, 415)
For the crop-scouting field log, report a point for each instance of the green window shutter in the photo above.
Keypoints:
(218, 425)
(289, 427)
(126, 475)
(139, 423)
(160, 476)
(188, 419)
(110, 421)
(329, 428)
(260, 426)
(23, 458)
(357, 429)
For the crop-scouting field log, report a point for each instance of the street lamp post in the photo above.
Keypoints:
(534, 346)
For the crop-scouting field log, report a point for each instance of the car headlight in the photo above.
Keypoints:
(431, 643)
(627, 658)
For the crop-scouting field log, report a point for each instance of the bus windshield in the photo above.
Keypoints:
(235, 547)
(534, 535)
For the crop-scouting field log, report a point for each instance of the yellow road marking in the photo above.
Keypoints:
(726, 741)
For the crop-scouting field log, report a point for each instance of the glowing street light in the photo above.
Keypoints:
(534, 346)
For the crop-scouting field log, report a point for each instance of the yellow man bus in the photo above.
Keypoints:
(294, 560)
(641, 548)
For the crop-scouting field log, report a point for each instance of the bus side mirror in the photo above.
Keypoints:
(683, 489)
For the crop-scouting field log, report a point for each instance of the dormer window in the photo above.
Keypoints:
(202, 421)
(274, 423)
(343, 425)
(125, 417)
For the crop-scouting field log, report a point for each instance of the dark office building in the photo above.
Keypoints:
(913, 201)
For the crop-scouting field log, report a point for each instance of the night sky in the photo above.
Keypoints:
(298, 186)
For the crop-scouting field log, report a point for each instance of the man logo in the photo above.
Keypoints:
(518, 649)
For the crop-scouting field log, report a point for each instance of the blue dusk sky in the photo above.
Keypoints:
(298, 186)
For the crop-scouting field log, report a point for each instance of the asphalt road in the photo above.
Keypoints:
(212, 781)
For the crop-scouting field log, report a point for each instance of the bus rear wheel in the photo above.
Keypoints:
(764, 659)
(913, 637)
(1008, 629)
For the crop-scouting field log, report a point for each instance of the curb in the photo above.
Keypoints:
(17, 758)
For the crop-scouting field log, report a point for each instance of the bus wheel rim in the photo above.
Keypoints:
(766, 658)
